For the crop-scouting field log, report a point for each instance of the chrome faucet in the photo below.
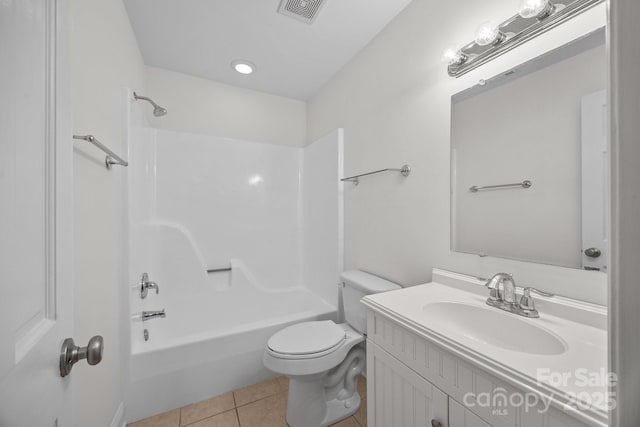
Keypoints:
(503, 288)
(504, 292)
(148, 315)
(146, 284)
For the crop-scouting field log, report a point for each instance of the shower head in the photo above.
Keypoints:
(158, 111)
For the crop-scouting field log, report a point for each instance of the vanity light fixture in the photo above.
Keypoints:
(494, 39)
(539, 9)
(489, 34)
(454, 56)
(243, 67)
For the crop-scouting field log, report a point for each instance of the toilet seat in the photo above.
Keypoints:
(312, 363)
(307, 340)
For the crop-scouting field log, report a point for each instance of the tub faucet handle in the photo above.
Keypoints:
(146, 284)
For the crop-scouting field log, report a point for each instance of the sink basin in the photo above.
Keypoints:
(493, 327)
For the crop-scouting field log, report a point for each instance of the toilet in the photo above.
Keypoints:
(322, 359)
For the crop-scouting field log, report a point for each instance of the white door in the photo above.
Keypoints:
(35, 213)
(595, 181)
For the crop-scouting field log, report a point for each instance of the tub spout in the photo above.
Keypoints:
(148, 315)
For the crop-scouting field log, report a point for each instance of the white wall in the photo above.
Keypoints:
(393, 101)
(498, 142)
(105, 58)
(202, 106)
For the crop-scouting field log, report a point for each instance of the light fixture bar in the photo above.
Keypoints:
(518, 30)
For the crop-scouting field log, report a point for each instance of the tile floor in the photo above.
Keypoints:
(258, 405)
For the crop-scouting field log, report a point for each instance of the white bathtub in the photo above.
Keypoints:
(197, 202)
(216, 353)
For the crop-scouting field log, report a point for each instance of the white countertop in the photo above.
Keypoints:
(581, 326)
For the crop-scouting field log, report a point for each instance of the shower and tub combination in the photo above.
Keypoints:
(229, 241)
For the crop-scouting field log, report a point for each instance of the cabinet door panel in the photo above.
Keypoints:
(399, 397)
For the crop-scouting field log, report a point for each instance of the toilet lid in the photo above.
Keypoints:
(307, 338)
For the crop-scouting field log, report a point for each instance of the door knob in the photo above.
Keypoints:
(593, 252)
(435, 423)
(71, 353)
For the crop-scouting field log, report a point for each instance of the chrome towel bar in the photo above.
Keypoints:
(405, 171)
(111, 158)
(524, 184)
(218, 270)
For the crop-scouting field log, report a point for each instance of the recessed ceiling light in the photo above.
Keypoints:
(243, 67)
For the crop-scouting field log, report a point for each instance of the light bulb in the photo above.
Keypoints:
(489, 33)
(243, 67)
(536, 9)
(454, 56)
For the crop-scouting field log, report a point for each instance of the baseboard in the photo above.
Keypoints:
(118, 419)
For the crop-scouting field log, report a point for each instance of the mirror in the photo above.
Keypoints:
(529, 160)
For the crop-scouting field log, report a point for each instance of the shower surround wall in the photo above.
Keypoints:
(231, 200)
(271, 213)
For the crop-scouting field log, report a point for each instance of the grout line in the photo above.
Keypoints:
(258, 400)
(213, 416)
(262, 398)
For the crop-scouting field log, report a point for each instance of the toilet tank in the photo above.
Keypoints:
(356, 285)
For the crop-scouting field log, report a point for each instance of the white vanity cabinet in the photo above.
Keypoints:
(411, 381)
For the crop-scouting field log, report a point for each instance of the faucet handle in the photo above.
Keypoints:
(154, 285)
(146, 284)
(527, 302)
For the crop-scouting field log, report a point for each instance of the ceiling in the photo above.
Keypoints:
(293, 59)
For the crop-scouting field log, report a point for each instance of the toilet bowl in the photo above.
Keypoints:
(323, 359)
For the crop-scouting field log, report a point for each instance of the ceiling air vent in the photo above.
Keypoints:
(302, 10)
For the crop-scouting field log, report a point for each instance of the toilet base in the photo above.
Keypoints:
(307, 405)
(338, 410)
(323, 399)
